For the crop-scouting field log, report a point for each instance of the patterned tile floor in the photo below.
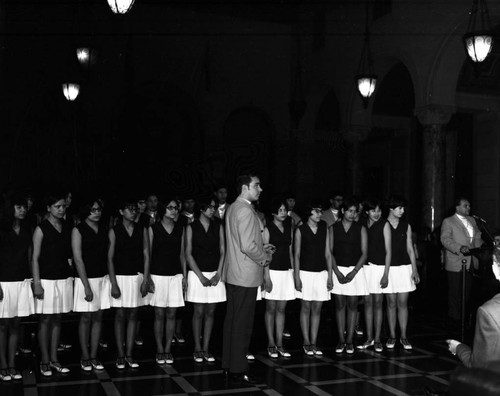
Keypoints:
(397, 372)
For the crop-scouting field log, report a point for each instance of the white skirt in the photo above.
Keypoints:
(356, 287)
(130, 289)
(57, 296)
(283, 286)
(197, 293)
(314, 286)
(373, 274)
(98, 287)
(168, 291)
(400, 280)
(17, 299)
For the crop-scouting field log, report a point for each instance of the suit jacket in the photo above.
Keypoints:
(486, 346)
(453, 236)
(245, 254)
(329, 217)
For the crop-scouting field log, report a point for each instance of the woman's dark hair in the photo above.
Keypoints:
(307, 209)
(163, 203)
(7, 219)
(124, 202)
(349, 202)
(371, 204)
(54, 196)
(202, 204)
(275, 206)
(395, 201)
(87, 205)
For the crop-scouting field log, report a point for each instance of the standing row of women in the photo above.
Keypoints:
(132, 265)
(125, 267)
(350, 259)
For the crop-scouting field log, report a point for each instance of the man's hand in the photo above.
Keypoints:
(452, 346)
(464, 249)
(269, 248)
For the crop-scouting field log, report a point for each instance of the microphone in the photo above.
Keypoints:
(479, 218)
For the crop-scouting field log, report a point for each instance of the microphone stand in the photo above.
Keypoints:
(473, 252)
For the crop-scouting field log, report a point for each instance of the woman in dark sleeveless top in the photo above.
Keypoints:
(312, 274)
(128, 257)
(376, 272)
(52, 282)
(278, 278)
(89, 241)
(16, 298)
(403, 274)
(205, 256)
(168, 275)
(349, 256)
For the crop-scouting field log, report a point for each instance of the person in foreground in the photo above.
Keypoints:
(246, 256)
(486, 346)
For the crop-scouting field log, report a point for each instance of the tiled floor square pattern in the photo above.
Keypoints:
(396, 372)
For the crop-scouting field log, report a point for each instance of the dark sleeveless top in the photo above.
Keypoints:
(14, 254)
(347, 245)
(312, 248)
(398, 242)
(282, 241)
(205, 246)
(165, 254)
(55, 251)
(376, 242)
(94, 250)
(129, 256)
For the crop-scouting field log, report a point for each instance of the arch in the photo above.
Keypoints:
(396, 93)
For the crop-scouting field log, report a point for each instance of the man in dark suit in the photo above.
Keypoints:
(459, 234)
(487, 335)
(221, 199)
(243, 269)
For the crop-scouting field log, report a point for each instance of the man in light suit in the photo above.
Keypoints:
(243, 269)
(459, 234)
(331, 215)
(487, 335)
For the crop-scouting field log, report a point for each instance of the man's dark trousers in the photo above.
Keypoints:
(240, 312)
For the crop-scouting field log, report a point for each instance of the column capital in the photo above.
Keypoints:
(355, 133)
(434, 114)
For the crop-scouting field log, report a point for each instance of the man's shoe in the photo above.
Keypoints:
(244, 378)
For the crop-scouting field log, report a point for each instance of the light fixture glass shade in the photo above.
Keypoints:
(366, 84)
(71, 91)
(478, 45)
(83, 55)
(120, 6)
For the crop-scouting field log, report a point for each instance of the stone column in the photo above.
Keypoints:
(354, 136)
(433, 119)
